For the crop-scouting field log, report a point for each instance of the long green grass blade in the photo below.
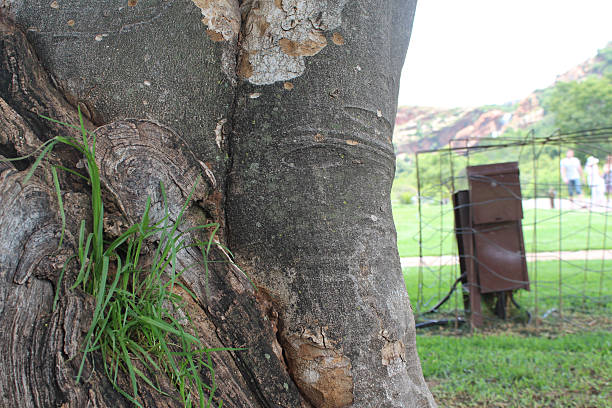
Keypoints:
(40, 148)
(101, 290)
(61, 123)
(73, 172)
(36, 163)
(130, 367)
(160, 324)
(60, 204)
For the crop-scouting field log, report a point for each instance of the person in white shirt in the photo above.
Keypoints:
(571, 172)
(595, 181)
(607, 175)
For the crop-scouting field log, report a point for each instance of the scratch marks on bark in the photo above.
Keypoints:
(370, 121)
(278, 34)
(325, 148)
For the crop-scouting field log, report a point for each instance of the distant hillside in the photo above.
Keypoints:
(423, 128)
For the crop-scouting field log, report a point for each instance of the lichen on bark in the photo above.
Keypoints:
(222, 17)
(278, 34)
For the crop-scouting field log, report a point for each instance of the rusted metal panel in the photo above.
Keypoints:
(500, 257)
(495, 193)
(463, 227)
(489, 234)
(465, 244)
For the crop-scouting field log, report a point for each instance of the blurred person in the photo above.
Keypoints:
(607, 175)
(595, 181)
(571, 173)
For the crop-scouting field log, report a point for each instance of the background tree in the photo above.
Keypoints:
(286, 108)
(583, 105)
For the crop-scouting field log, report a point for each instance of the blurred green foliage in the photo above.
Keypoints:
(568, 107)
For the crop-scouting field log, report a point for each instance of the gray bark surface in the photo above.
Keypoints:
(152, 60)
(285, 109)
(326, 252)
(44, 346)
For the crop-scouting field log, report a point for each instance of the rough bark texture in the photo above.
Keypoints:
(285, 109)
(43, 350)
(326, 252)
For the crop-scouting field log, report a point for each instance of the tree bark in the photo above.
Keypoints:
(285, 109)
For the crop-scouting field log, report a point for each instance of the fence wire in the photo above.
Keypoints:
(567, 242)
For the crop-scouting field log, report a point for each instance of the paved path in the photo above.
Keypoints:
(567, 205)
(593, 254)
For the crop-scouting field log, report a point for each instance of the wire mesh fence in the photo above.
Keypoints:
(566, 239)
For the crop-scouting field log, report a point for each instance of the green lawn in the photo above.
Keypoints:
(518, 365)
(512, 370)
(580, 290)
(567, 230)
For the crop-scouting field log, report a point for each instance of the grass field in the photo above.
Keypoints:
(581, 291)
(567, 230)
(518, 370)
(511, 364)
(517, 365)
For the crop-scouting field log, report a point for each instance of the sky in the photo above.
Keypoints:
(466, 53)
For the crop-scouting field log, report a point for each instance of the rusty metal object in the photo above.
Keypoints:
(495, 193)
(489, 235)
(500, 257)
(465, 244)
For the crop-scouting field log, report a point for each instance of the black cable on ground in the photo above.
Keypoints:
(445, 299)
(442, 322)
(519, 307)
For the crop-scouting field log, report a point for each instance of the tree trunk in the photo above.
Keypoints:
(285, 108)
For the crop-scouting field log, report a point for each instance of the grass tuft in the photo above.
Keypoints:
(134, 325)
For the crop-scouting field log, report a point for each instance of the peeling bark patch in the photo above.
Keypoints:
(215, 36)
(393, 351)
(338, 39)
(219, 132)
(321, 372)
(222, 17)
(310, 47)
(245, 69)
(393, 356)
(278, 34)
